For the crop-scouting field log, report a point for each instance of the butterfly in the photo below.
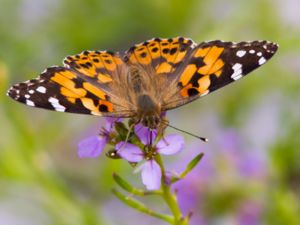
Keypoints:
(148, 79)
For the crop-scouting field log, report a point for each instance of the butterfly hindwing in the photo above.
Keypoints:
(212, 65)
(102, 66)
(160, 55)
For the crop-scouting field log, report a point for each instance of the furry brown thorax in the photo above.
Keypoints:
(148, 110)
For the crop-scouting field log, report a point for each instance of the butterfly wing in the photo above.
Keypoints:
(89, 83)
(212, 65)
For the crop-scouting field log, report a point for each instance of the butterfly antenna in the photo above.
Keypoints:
(186, 132)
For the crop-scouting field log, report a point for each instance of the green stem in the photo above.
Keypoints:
(171, 199)
(165, 192)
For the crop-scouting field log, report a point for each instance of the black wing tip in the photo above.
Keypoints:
(13, 92)
(272, 47)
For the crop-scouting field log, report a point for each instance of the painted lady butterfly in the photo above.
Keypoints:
(150, 78)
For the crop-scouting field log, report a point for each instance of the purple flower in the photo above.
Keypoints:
(150, 169)
(93, 146)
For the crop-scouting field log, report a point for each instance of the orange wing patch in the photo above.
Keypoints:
(211, 60)
(161, 56)
(140, 55)
(195, 78)
(163, 68)
(68, 84)
(187, 74)
(97, 107)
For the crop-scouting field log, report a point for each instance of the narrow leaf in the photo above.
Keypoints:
(194, 162)
(192, 165)
(133, 203)
(126, 186)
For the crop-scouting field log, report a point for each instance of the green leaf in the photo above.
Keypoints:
(192, 164)
(139, 206)
(126, 186)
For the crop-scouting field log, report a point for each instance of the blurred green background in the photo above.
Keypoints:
(42, 181)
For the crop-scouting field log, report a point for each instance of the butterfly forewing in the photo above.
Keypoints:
(85, 85)
(212, 65)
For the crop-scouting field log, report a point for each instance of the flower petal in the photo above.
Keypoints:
(151, 175)
(144, 133)
(91, 147)
(171, 144)
(129, 152)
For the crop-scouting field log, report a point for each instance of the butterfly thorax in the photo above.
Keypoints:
(148, 109)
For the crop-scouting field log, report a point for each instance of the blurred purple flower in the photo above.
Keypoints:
(150, 169)
(223, 169)
(93, 146)
(249, 213)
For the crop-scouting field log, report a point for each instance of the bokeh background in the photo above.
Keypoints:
(251, 170)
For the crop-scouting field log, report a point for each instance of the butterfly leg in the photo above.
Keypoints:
(129, 132)
(162, 127)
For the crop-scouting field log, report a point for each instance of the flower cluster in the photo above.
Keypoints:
(141, 146)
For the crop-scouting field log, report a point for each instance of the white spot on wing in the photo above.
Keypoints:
(27, 96)
(259, 54)
(56, 105)
(237, 71)
(240, 53)
(53, 100)
(252, 51)
(261, 61)
(31, 91)
(41, 89)
(30, 103)
(60, 109)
